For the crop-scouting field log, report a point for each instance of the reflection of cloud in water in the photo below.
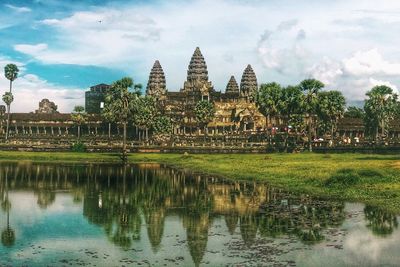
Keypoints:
(364, 244)
(360, 246)
(26, 202)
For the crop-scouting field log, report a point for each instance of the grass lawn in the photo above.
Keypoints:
(374, 179)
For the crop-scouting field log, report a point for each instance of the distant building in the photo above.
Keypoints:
(46, 107)
(95, 97)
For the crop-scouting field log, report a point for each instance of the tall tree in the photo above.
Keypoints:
(144, 111)
(11, 73)
(380, 108)
(79, 116)
(311, 88)
(204, 112)
(8, 234)
(108, 116)
(162, 127)
(291, 107)
(331, 105)
(118, 101)
(269, 100)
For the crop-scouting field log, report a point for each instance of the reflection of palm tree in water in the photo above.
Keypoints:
(8, 234)
(129, 220)
(381, 222)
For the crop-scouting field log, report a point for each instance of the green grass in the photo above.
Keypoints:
(373, 179)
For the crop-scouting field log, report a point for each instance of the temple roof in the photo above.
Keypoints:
(248, 84)
(232, 86)
(197, 69)
(156, 84)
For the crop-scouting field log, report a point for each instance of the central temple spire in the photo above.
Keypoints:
(197, 75)
(197, 69)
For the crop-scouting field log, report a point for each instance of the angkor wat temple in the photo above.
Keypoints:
(235, 108)
(236, 121)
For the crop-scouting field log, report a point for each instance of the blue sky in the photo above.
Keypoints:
(63, 47)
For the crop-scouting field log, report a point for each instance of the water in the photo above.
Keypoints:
(150, 215)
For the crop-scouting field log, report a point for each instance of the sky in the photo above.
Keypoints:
(64, 47)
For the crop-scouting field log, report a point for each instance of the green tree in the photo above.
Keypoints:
(204, 112)
(354, 112)
(109, 117)
(118, 101)
(144, 110)
(330, 109)
(8, 234)
(11, 73)
(380, 108)
(79, 116)
(162, 128)
(162, 125)
(291, 107)
(311, 88)
(269, 100)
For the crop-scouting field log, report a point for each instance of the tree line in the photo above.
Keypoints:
(307, 108)
(304, 108)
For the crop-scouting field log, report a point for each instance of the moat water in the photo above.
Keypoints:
(150, 215)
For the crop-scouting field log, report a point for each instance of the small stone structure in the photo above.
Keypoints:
(46, 107)
(95, 97)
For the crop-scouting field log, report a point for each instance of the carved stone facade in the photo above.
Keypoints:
(248, 84)
(235, 110)
(46, 107)
(156, 85)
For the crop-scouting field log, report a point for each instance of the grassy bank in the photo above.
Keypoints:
(373, 179)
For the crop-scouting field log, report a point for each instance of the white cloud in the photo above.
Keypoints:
(232, 34)
(29, 89)
(288, 58)
(368, 63)
(375, 82)
(357, 74)
(327, 71)
(19, 9)
(34, 50)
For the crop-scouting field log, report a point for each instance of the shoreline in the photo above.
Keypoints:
(368, 178)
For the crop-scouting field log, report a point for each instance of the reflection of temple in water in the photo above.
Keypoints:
(122, 199)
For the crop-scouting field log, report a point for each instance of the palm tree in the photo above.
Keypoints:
(290, 105)
(331, 105)
(145, 112)
(380, 108)
(204, 112)
(79, 116)
(8, 234)
(119, 103)
(163, 127)
(268, 100)
(109, 117)
(11, 73)
(311, 88)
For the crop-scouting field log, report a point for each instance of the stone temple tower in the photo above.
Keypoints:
(156, 86)
(248, 84)
(232, 86)
(197, 75)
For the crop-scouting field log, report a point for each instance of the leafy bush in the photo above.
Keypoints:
(344, 177)
(78, 147)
